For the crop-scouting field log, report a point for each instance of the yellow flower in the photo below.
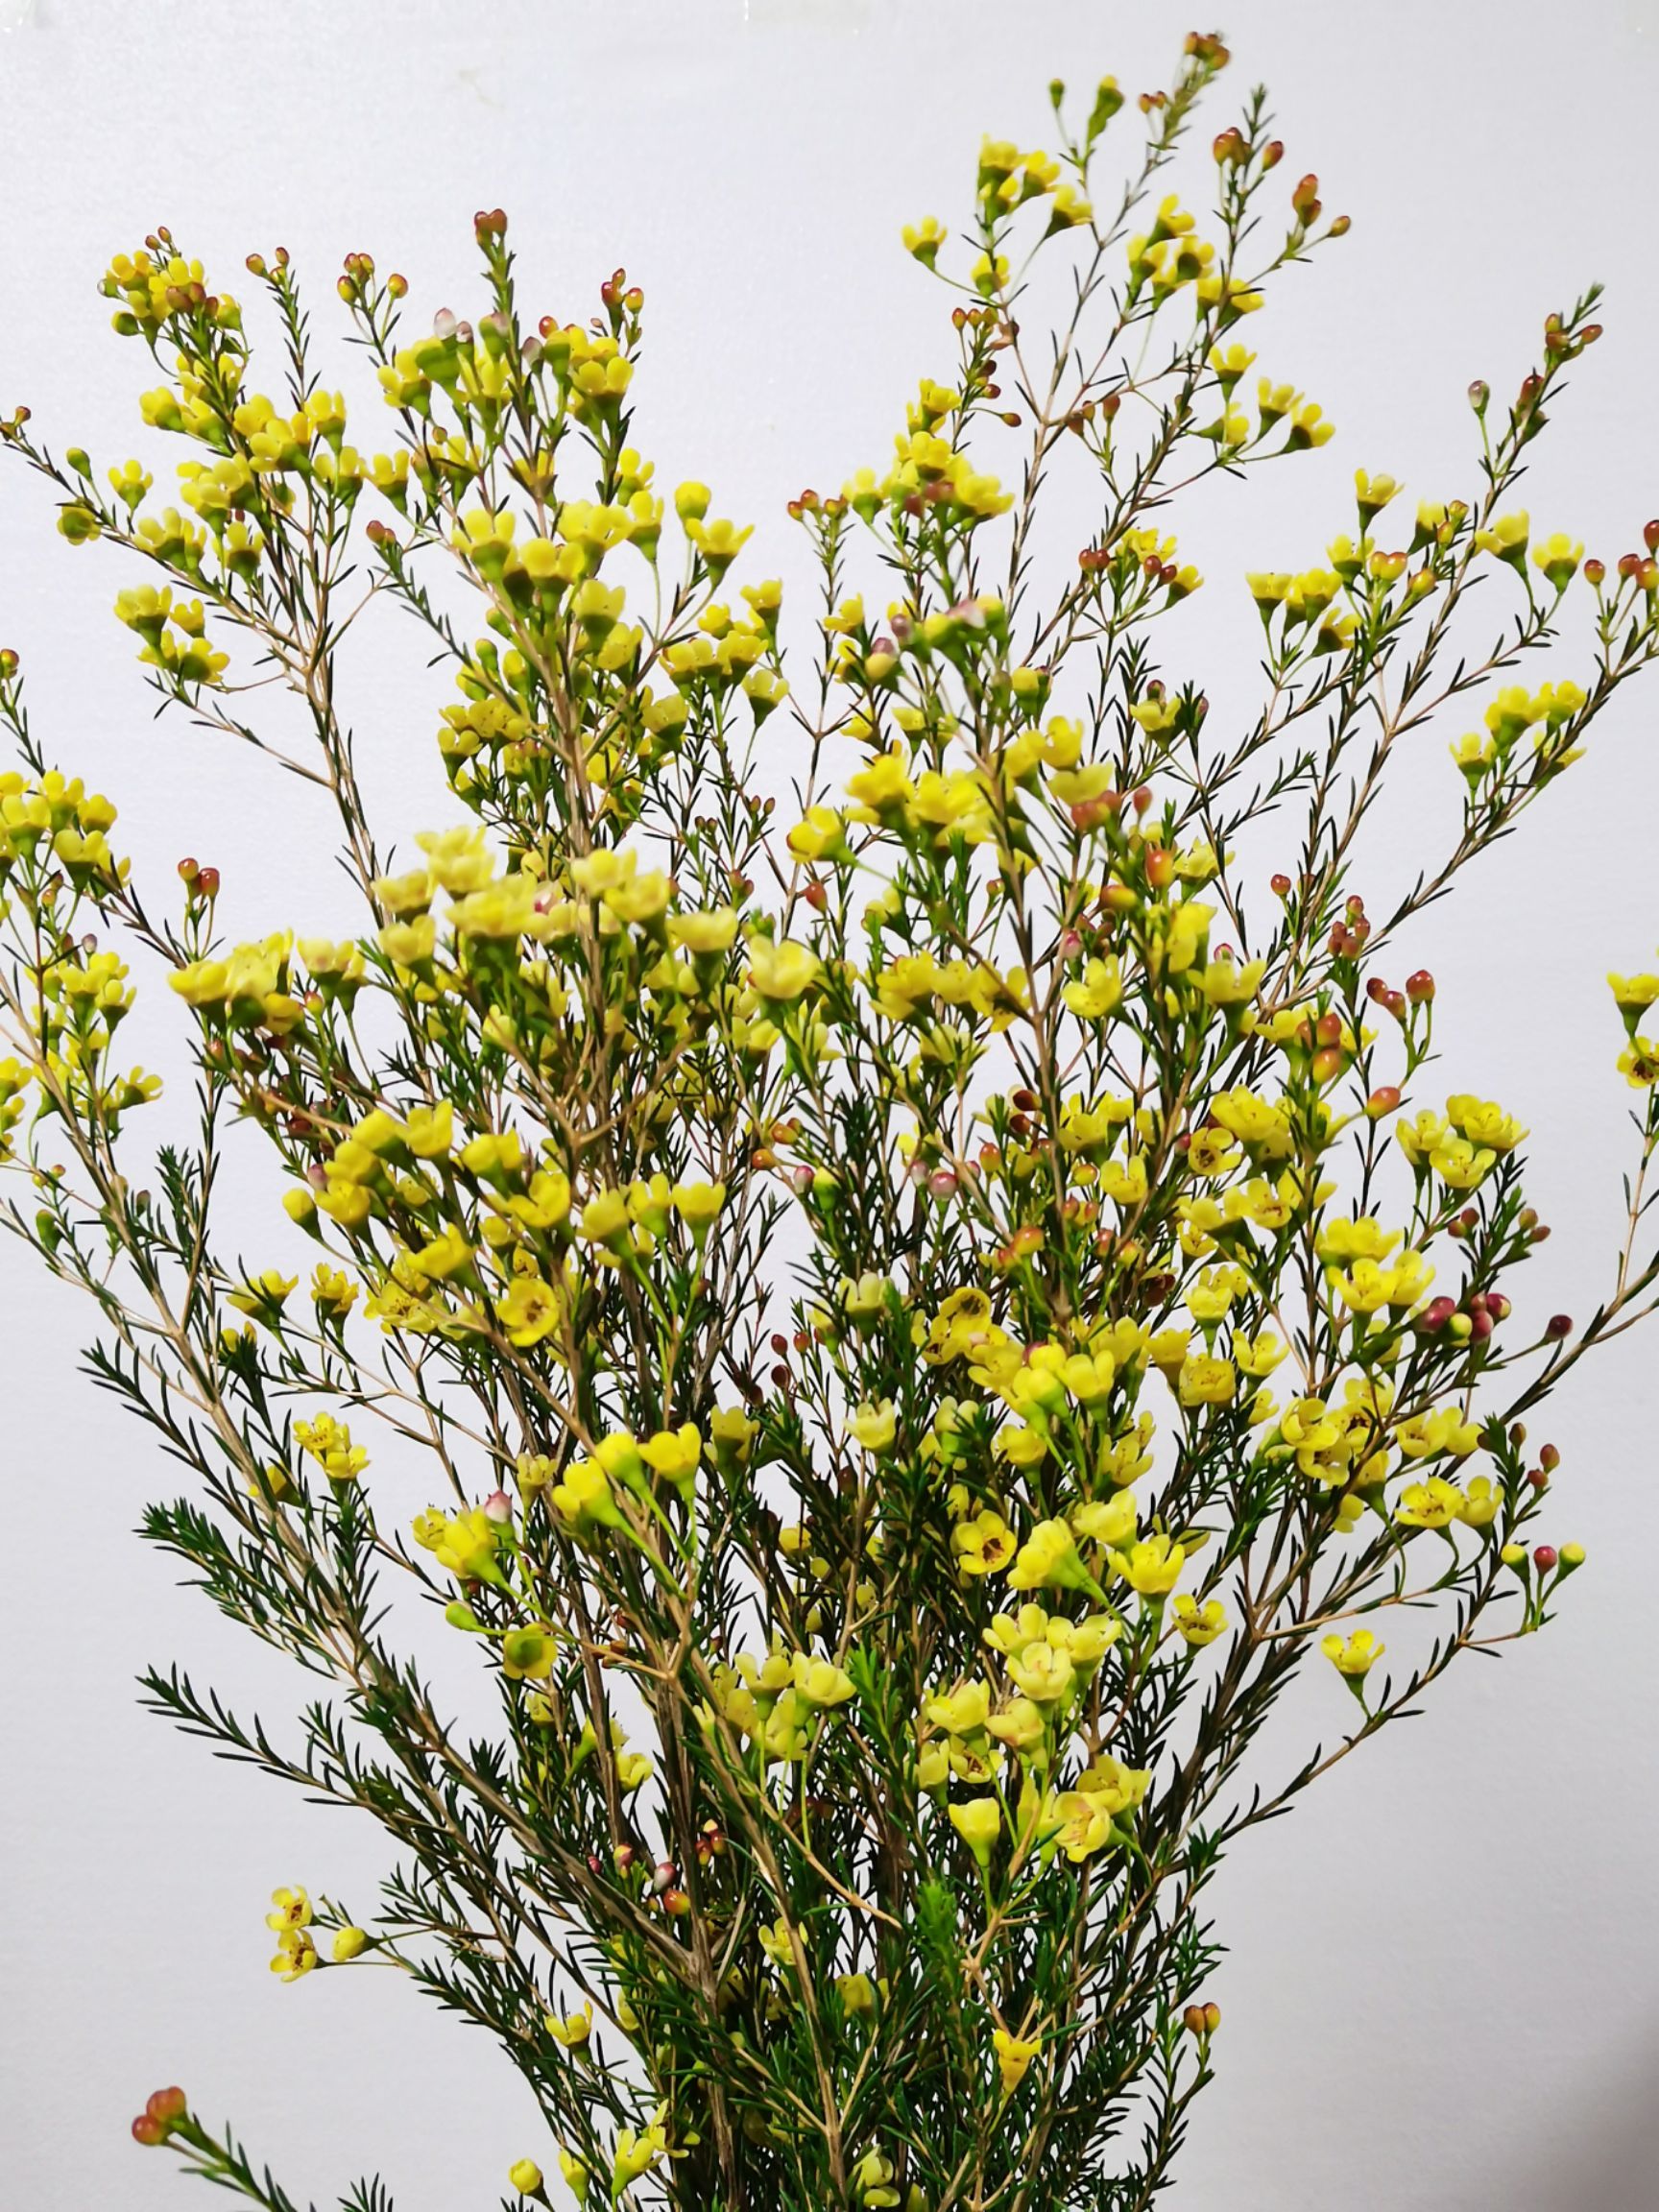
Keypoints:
(704, 933)
(674, 1453)
(1198, 1625)
(296, 1954)
(819, 1683)
(329, 1443)
(961, 1711)
(1097, 992)
(1425, 1435)
(409, 943)
(1431, 1505)
(1151, 1566)
(1483, 1503)
(429, 1131)
(1110, 1521)
(1048, 1559)
(874, 1425)
(531, 1311)
(1506, 537)
(291, 1910)
(1355, 1655)
(978, 1823)
(1483, 1122)
(1207, 1382)
(1013, 2056)
(1558, 558)
(923, 239)
(984, 1544)
(605, 1219)
(782, 973)
(574, 2029)
(1041, 1673)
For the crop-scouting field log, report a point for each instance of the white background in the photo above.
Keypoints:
(1445, 1983)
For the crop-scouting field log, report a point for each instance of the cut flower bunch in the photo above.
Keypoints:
(875, 1337)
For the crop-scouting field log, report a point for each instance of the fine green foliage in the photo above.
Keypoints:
(920, 1314)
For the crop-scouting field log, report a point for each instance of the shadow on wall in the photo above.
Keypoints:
(1607, 2160)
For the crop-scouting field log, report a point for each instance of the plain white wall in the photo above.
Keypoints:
(1444, 1991)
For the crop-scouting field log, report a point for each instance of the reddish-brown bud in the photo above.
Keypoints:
(1546, 1558)
(1278, 885)
(1558, 1325)
(1420, 987)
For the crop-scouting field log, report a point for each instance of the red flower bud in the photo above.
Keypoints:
(1436, 1315)
(1420, 987)
(1549, 1459)
(1544, 1558)
(1278, 885)
(1558, 1325)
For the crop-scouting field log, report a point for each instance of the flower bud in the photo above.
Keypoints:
(1546, 1558)
(1420, 987)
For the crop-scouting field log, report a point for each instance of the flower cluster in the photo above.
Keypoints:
(917, 1314)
